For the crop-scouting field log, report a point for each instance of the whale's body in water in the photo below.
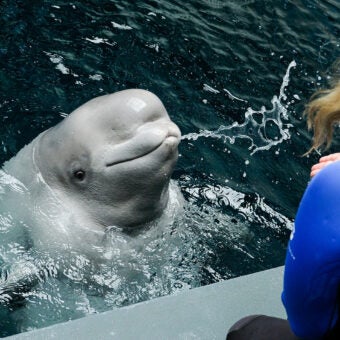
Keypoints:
(90, 220)
(105, 166)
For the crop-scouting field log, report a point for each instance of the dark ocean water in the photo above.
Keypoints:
(218, 66)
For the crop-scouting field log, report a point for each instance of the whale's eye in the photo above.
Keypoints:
(79, 175)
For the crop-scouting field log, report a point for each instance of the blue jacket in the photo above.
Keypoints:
(312, 268)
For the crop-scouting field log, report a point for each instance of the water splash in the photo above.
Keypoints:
(252, 207)
(258, 133)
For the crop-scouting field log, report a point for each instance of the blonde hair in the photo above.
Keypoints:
(323, 111)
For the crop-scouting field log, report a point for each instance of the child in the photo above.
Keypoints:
(312, 268)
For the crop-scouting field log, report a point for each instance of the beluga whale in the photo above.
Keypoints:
(107, 165)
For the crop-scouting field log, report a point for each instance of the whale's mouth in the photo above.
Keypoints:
(128, 159)
(172, 139)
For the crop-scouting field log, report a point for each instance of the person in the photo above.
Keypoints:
(311, 293)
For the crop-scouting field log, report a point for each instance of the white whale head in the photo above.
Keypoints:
(110, 161)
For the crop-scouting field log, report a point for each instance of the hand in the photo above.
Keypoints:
(324, 161)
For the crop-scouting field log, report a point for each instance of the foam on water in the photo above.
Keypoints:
(252, 130)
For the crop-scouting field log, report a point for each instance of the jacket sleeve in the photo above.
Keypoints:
(312, 268)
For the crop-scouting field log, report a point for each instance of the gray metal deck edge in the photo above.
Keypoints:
(201, 313)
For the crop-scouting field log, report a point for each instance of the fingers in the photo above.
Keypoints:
(324, 161)
(317, 167)
(332, 157)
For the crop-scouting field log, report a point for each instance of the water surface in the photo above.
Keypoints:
(234, 75)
